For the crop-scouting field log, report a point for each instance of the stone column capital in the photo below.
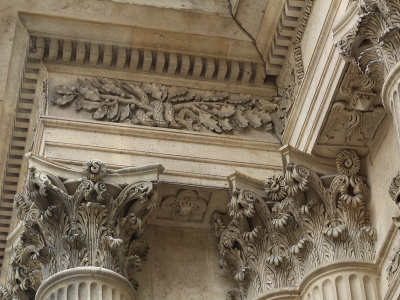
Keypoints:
(75, 220)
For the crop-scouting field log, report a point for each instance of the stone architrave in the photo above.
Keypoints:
(273, 238)
(82, 233)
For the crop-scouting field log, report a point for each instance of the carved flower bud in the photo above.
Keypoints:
(239, 277)
(296, 249)
(94, 170)
(354, 201)
(348, 162)
(334, 232)
(276, 260)
(252, 235)
(280, 223)
(305, 210)
(275, 188)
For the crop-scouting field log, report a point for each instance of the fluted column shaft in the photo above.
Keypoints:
(86, 283)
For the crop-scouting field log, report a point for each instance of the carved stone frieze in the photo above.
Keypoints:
(287, 98)
(152, 104)
(79, 222)
(292, 74)
(352, 126)
(352, 80)
(185, 206)
(356, 113)
(272, 240)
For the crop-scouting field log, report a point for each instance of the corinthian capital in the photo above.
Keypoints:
(279, 231)
(373, 42)
(95, 218)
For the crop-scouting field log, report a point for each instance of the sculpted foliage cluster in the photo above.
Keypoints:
(153, 104)
(77, 223)
(273, 240)
(373, 43)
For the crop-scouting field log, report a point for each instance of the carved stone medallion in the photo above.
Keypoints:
(185, 206)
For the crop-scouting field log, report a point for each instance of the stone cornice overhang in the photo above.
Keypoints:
(48, 39)
(318, 87)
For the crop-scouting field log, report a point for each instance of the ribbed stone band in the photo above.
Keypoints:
(86, 283)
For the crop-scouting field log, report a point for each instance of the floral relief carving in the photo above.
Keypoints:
(351, 126)
(272, 242)
(78, 222)
(153, 104)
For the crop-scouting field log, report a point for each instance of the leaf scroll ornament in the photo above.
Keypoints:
(154, 104)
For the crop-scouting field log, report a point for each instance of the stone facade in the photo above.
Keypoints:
(210, 149)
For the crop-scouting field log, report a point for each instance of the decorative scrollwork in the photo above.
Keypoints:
(152, 104)
(270, 245)
(101, 224)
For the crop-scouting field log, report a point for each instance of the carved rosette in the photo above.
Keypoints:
(85, 222)
(273, 242)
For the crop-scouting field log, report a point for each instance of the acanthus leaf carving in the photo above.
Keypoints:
(101, 224)
(152, 104)
(274, 244)
(373, 42)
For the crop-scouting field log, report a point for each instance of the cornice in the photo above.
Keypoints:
(346, 22)
(291, 26)
(315, 94)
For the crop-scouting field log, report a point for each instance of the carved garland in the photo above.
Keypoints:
(83, 222)
(152, 104)
(274, 240)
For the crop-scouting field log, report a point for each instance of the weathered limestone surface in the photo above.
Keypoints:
(182, 264)
(86, 283)
(169, 57)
